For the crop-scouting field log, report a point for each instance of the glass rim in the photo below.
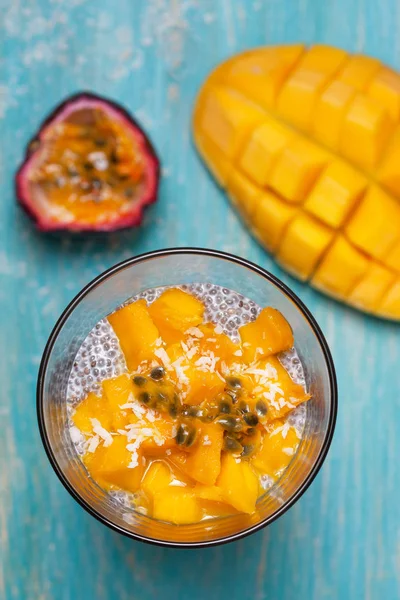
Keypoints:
(333, 406)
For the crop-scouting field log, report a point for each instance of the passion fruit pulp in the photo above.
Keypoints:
(90, 167)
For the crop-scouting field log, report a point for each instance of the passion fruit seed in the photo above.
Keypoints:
(231, 444)
(234, 383)
(243, 407)
(144, 397)
(230, 423)
(261, 408)
(251, 419)
(251, 431)
(225, 407)
(139, 380)
(248, 449)
(190, 411)
(173, 406)
(186, 435)
(157, 373)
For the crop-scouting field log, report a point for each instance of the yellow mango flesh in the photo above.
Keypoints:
(312, 164)
(118, 392)
(176, 505)
(158, 476)
(109, 465)
(92, 407)
(238, 484)
(174, 312)
(276, 451)
(269, 334)
(135, 331)
(204, 462)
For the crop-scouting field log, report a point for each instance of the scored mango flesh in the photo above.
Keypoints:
(306, 142)
(195, 424)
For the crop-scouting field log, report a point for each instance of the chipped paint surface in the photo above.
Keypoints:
(342, 539)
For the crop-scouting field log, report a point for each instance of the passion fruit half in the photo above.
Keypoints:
(90, 167)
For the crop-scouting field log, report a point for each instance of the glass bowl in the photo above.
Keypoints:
(167, 268)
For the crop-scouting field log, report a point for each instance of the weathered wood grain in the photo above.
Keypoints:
(342, 540)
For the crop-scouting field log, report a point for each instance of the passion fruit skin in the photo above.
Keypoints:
(128, 220)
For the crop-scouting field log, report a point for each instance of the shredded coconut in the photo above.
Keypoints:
(195, 332)
(93, 443)
(288, 451)
(163, 356)
(206, 441)
(218, 329)
(101, 432)
(238, 353)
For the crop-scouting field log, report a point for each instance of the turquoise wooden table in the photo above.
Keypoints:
(342, 539)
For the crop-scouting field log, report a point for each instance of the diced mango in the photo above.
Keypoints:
(176, 505)
(304, 242)
(214, 509)
(243, 193)
(219, 343)
(277, 450)
(238, 484)
(271, 218)
(370, 290)
(269, 334)
(288, 394)
(208, 492)
(110, 465)
(219, 166)
(365, 131)
(174, 312)
(389, 307)
(158, 476)
(296, 102)
(340, 269)
(335, 193)
(385, 89)
(204, 462)
(375, 225)
(203, 384)
(227, 118)
(135, 331)
(297, 168)
(265, 144)
(260, 73)
(330, 110)
(392, 260)
(358, 71)
(118, 392)
(92, 407)
(389, 173)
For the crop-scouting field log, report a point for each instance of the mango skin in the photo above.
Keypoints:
(306, 143)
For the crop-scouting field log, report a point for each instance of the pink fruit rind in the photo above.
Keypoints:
(61, 112)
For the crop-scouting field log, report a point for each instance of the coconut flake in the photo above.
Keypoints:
(206, 441)
(100, 431)
(238, 353)
(93, 443)
(195, 332)
(218, 329)
(288, 451)
(163, 356)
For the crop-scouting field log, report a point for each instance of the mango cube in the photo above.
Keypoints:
(390, 303)
(297, 168)
(227, 118)
(204, 462)
(177, 505)
(260, 73)
(299, 94)
(110, 464)
(375, 225)
(271, 218)
(277, 450)
(118, 392)
(340, 269)
(303, 244)
(158, 476)
(92, 407)
(335, 193)
(385, 89)
(329, 113)
(389, 173)
(365, 131)
(392, 260)
(269, 334)
(368, 292)
(135, 331)
(265, 144)
(219, 166)
(208, 492)
(174, 312)
(238, 484)
(203, 385)
(359, 70)
(243, 193)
